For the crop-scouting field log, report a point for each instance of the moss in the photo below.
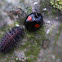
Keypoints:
(53, 11)
(56, 4)
(22, 1)
(7, 59)
(29, 10)
(33, 53)
(33, 45)
(3, 28)
(58, 34)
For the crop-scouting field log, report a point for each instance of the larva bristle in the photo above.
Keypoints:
(10, 39)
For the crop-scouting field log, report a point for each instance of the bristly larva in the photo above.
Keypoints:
(10, 39)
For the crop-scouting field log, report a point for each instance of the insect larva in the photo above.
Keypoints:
(10, 39)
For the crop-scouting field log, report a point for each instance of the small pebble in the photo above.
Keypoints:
(53, 57)
(48, 31)
(44, 46)
(20, 55)
(17, 25)
(48, 22)
(44, 9)
(16, 58)
(56, 17)
(35, 3)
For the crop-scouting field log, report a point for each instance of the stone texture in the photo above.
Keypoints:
(30, 49)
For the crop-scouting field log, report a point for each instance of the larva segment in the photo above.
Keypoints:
(10, 39)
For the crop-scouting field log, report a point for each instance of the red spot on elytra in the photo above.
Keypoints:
(37, 25)
(29, 18)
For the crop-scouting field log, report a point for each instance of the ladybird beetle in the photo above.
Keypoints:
(10, 39)
(33, 21)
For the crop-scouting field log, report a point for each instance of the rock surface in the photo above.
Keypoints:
(45, 45)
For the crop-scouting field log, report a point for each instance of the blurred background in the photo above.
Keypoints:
(44, 45)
